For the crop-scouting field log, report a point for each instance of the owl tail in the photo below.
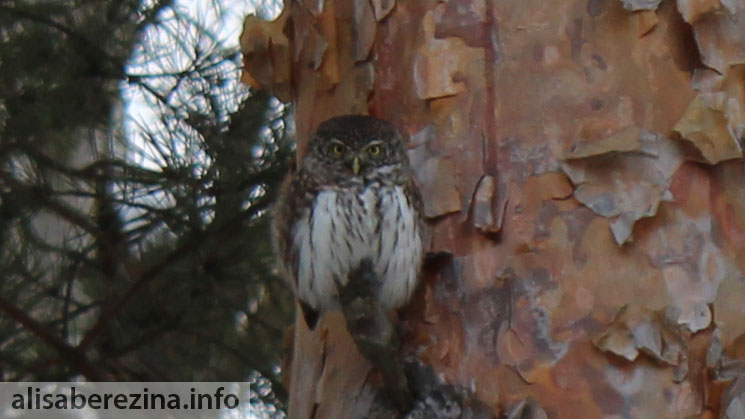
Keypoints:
(310, 314)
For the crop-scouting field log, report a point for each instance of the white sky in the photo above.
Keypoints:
(222, 18)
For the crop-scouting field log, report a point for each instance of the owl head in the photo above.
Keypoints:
(354, 149)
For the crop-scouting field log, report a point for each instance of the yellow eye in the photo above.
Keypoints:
(337, 149)
(374, 150)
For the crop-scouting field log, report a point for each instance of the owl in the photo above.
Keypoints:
(352, 200)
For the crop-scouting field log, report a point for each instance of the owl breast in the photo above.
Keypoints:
(345, 226)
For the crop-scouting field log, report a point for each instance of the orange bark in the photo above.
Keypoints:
(582, 166)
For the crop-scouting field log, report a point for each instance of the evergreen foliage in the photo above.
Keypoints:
(142, 256)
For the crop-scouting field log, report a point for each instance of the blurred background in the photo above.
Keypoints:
(135, 176)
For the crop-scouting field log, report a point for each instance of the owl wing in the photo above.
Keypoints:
(415, 200)
(286, 214)
(293, 198)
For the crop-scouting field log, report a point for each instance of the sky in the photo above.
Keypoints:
(169, 48)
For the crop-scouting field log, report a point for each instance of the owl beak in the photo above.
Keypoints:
(356, 165)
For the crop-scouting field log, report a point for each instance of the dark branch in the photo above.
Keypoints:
(373, 332)
(74, 356)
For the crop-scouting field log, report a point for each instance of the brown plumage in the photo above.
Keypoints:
(352, 199)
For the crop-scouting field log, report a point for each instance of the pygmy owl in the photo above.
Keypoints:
(352, 200)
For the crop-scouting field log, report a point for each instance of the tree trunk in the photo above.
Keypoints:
(581, 166)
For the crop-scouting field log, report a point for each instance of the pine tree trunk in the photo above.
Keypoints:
(582, 170)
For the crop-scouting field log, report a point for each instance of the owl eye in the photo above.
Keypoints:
(337, 149)
(374, 150)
